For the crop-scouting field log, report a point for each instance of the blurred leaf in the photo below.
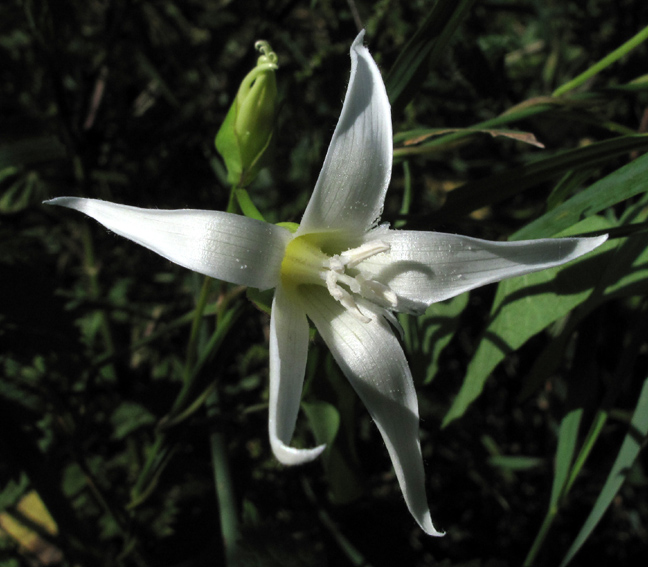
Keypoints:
(13, 491)
(31, 525)
(523, 307)
(515, 463)
(128, 417)
(31, 150)
(424, 50)
(622, 465)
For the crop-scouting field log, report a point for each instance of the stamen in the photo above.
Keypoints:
(353, 257)
(306, 264)
(371, 289)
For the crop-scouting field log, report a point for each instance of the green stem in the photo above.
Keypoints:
(542, 534)
(188, 374)
(227, 509)
(603, 63)
(91, 270)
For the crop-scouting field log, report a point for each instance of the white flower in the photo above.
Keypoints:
(344, 273)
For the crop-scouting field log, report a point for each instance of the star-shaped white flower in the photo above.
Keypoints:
(343, 272)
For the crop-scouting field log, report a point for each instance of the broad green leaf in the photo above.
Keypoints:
(526, 305)
(433, 331)
(624, 461)
(473, 196)
(422, 52)
(623, 183)
(324, 420)
(626, 274)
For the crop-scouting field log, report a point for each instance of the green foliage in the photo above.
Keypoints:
(125, 382)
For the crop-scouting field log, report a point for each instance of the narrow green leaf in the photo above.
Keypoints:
(567, 436)
(523, 307)
(621, 184)
(626, 457)
(624, 49)
(515, 463)
(412, 139)
(423, 50)
(473, 196)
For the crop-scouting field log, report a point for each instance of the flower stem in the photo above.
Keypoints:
(227, 508)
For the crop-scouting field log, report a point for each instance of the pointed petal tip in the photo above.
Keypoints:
(584, 245)
(60, 201)
(429, 528)
(357, 42)
(76, 203)
(290, 456)
(596, 241)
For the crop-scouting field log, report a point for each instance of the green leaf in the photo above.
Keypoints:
(626, 457)
(343, 482)
(567, 436)
(427, 335)
(128, 417)
(515, 463)
(324, 420)
(526, 305)
(612, 57)
(423, 51)
(13, 491)
(473, 196)
(623, 183)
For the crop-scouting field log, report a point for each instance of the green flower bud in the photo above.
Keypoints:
(244, 138)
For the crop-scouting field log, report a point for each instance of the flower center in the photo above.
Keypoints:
(305, 263)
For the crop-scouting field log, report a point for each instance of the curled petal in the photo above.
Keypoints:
(228, 247)
(288, 352)
(425, 267)
(374, 363)
(350, 191)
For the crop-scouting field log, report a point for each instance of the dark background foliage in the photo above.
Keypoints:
(121, 100)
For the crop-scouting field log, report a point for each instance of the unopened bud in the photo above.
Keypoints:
(245, 137)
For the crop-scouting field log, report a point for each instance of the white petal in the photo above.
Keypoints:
(350, 191)
(426, 267)
(288, 352)
(228, 247)
(373, 361)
